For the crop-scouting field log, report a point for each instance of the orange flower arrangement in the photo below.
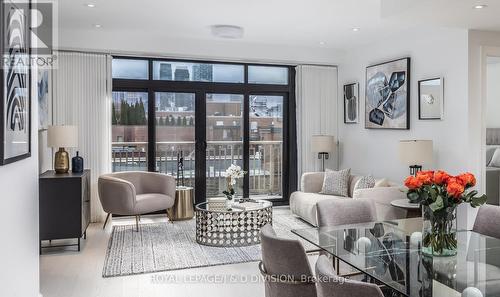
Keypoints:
(441, 177)
(440, 193)
(438, 189)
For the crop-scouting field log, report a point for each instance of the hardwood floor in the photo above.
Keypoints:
(71, 274)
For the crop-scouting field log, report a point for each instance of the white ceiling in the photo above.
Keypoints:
(283, 22)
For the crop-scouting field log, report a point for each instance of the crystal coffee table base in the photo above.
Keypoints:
(231, 229)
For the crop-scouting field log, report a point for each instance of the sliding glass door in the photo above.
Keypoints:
(129, 131)
(210, 115)
(266, 146)
(224, 138)
(175, 135)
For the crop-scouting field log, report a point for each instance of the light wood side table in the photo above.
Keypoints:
(183, 206)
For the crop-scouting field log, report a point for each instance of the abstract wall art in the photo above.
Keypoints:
(15, 105)
(44, 101)
(351, 103)
(430, 99)
(387, 104)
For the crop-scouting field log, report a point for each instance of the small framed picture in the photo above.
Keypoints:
(351, 103)
(431, 99)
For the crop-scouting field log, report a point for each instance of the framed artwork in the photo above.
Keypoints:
(15, 105)
(351, 103)
(387, 104)
(431, 99)
(44, 99)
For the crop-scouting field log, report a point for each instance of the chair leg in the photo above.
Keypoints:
(106, 221)
(137, 223)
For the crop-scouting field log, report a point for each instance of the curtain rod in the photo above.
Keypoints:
(153, 56)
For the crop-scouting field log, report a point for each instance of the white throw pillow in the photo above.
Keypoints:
(382, 183)
(366, 182)
(336, 182)
(495, 160)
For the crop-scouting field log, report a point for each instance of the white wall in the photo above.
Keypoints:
(19, 276)
(493, 96)
(434, 53)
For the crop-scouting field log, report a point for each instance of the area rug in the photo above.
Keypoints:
(165, 246)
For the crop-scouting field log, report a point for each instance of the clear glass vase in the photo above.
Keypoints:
(229, 203)
(439, 233)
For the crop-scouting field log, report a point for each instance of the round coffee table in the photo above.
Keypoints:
(234, 227)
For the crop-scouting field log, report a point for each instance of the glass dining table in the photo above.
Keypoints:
(388, 253)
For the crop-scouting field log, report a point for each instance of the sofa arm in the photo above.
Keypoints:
(383, 197)
(312, 182)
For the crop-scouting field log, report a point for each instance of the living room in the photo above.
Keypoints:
(282, 148)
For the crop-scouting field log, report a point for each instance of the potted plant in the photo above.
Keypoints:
(439, 195)
(232, 174)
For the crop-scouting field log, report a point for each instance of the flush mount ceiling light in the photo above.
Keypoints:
(322, 43)
(355, 29)
(91, 5)
(227, 31)
(480, 6)
(97, 26)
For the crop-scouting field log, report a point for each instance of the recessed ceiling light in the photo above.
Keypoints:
(227, 31)
(91, 5)
(322, 43)
(97, 26)
(480, 6)
(355, 29)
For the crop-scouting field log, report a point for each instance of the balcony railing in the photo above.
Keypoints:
(265, 172)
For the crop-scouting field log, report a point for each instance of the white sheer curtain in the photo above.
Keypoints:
(317, 107)
(82, 97)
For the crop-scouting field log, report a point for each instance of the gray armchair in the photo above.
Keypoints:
(135, 193)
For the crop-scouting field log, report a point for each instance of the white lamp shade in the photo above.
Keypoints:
(62, 136)
(322, 143)
(415, 152)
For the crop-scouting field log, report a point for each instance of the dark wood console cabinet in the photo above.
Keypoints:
(64, 207)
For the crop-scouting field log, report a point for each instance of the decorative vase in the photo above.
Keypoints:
(229, 203)
(77, 163)
(439, 233)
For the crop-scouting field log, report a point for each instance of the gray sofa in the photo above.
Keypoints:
(303, 202)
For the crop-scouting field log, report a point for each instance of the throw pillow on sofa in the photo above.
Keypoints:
(366, 182)
(382, 183)
(336, 182)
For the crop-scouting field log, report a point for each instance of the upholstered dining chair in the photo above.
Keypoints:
(135, 193)
(345, 211)
(331, 285)
(488, 221)
(285, 266)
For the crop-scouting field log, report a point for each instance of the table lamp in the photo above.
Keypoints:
(61, 137)
(323, 145)
(415, 153)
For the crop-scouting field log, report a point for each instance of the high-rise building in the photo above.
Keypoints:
(165, 71)
(181, 73)
(203, 72)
